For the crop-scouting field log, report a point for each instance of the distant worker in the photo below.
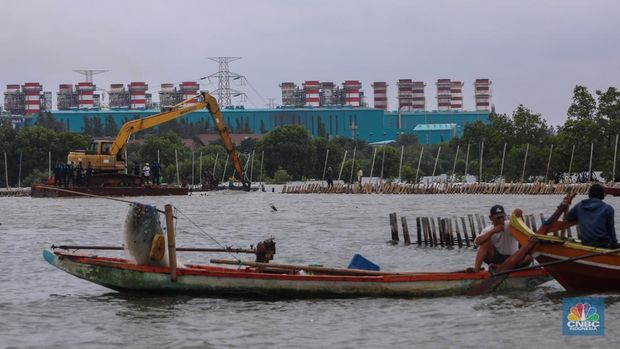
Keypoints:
(146, 173)
(231, 182)
(329, 177)
(89, 172)
(360, 174)
(495, 243)
(57, 173)
(71, 173)
(79, 174)
(156, 173)
(136, 168)
(595, 219)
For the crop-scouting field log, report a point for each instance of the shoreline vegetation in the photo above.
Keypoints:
(520, 147)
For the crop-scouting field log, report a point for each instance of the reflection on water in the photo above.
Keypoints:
(41, 306)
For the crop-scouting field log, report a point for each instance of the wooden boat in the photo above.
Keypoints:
(209, 280)
(599, 273)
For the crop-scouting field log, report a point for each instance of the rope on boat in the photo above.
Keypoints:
(176, 209)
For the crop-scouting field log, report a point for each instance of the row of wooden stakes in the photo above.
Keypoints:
(440, 188)
(446, 232)
(13, 192)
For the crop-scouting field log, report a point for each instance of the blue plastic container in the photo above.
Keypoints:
(359, 262)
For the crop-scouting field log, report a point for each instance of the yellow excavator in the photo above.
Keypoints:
(107, 157)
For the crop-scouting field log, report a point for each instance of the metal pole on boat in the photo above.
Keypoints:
(352, 165)
(225, 166)
(342, 165)
(548, 162)
(435, 166)
(261, 166)
(501, 170)
(172, 251)
(527, 149)
(372, 167)
(417, 172)
(325, 164)
(466, 161)
(176, 158)
(193, 160)
(481, 157)
(400, 166)
(19, 176)
(6, 173)
(382, 163)
(456, 156)
(126, 162)
(570, 164)
(613, 172)
(590, 166)
(158, 157)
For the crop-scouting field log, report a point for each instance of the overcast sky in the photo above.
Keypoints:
(534, 52)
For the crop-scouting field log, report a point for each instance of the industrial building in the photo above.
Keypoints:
(315, 94)
(27, 99)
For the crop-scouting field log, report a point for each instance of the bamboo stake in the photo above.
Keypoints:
(176, 159)
(436, 160)
(466, 161)
(325, 164)
(382, 163)
(456, 156)
(19, 176)
(613, 171)
(261, 166)
(372, 167)
(400, 166)
(126, 162)
(527, 149)
(158, 156)
(418, 230)
(225, 166)
(590, 167)
(49, 166)
(548, 162)
(352, 165)
(481, 157)
(342, 165)
(200, 167)
(193, 160)
(172, 254)
(6, 173)
(252, 167)
(394, 226)
(501, 170)
(417, 172)
(406, 237)
(570, 165)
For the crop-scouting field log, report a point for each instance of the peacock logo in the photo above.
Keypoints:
(583, 312)
(584, 316)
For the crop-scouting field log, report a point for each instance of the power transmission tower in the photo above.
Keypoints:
(224, 75)
(88, 73)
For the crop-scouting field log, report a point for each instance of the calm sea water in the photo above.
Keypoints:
(41, 306)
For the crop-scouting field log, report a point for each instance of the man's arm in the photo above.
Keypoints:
(486, 236)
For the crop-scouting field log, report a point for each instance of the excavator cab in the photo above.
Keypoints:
(98, 154)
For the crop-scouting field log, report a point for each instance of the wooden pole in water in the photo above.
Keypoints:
(352, 165)
(436, 160)
(6, 173)
(193, 160)
(417, 172)
(590, 166)
(176, 158)
(382, 163)
(570, 164)
(481, 157)
(394, 226)
(372, 167)
(172, 252)
(527, 149)
(400, 166)
(19, 176)
(456, 156)
(225, 166)
(548, 162)
(325, 164)
(501, 170)
(613, 172)
(342, 165)
(406, 237)
(466, 162)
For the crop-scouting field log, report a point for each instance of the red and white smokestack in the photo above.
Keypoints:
(189, 89)
(85, 92)
(137, 95)
(311, 93)
(352, 92)
(380, 95)
(32, 97)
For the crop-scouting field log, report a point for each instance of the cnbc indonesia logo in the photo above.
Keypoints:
(582, 316)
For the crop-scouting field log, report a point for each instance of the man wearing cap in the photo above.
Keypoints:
(495, 243)
(595, 219)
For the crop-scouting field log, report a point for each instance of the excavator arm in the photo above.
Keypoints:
(177, 111)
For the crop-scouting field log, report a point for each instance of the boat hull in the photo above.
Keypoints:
(118, 274)
(595, 274)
